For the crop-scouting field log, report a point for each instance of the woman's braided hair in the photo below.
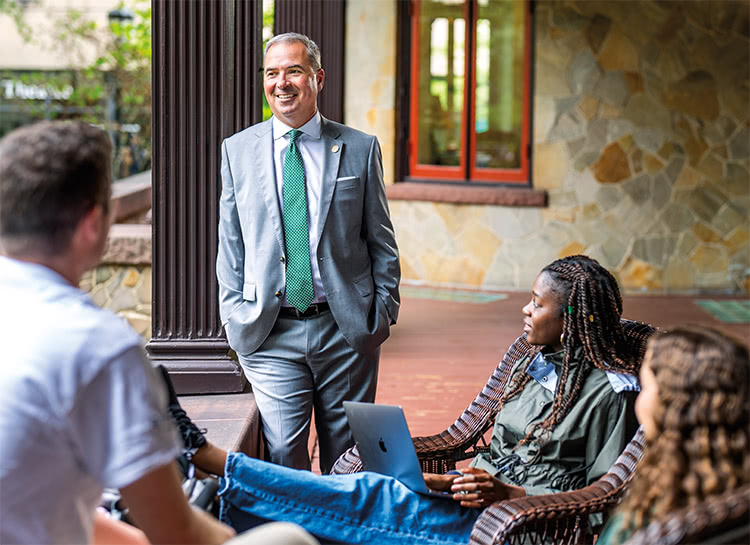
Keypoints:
(701, 443)
(591, 307)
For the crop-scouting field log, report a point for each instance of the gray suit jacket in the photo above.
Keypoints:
(357, 252)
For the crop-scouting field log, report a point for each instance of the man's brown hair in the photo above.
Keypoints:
(51, 174)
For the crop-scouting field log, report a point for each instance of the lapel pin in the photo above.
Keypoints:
(335, 148)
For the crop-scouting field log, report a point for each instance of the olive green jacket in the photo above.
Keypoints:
(578, 451)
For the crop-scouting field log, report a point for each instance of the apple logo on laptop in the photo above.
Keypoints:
(381, 444)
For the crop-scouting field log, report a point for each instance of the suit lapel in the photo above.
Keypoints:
(333, 147)
(266, 172)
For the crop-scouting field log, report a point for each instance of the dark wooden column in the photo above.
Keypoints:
(324, 22)
(403, 88)
(206, 57)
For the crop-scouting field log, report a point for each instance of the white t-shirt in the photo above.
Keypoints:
(80, 408)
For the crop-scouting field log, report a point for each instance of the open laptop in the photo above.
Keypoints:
(385, 444)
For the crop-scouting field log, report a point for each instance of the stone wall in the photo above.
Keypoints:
(122, 282)
(641, 139)
(370, 74)
(125, 290)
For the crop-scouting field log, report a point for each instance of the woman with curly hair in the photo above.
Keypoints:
(565, 416)
(695, 411)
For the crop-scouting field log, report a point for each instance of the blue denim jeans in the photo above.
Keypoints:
(359, 508)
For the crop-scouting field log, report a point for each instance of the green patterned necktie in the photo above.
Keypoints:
(299, 284)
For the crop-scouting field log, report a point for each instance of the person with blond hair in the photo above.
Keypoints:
(694, 407)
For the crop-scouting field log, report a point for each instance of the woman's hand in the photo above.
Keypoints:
(440, 483)
(477, 488)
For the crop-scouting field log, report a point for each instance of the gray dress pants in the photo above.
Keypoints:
(305, 365)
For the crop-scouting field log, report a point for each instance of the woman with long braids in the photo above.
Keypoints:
(566, 415)
(573, 321)
(695, 412)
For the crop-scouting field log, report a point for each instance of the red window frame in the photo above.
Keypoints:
(462, 173)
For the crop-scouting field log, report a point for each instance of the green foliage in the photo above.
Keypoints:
(123, 53)
(128, 56)
(268, 20)
(14, 9)
(120, 72)
(268, 17)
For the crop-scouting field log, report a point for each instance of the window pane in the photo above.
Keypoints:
(442, 38)
(499, 90)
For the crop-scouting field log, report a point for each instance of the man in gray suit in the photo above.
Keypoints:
(307, 265)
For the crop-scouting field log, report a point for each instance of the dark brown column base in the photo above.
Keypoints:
(198, 366)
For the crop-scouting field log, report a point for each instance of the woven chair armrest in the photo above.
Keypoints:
(501, 519)
(349, 462)
(442, 445)
(504, 518)
(433, 447)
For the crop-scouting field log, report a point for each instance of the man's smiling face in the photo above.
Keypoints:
(290, 83)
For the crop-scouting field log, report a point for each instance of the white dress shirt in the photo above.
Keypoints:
(311, 147)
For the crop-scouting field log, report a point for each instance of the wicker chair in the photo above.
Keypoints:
(562, 516)
(725, 520)
(558, 518)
